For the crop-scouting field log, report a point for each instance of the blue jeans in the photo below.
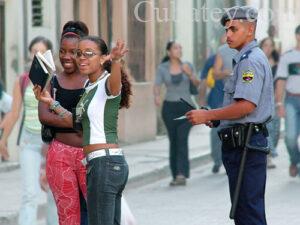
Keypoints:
(216, 147)
(292, 127)
(106, 180)
(274, 133)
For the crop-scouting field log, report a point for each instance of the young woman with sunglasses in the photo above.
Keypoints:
(97, 112)
(64, 170)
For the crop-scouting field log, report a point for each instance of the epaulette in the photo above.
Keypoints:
(245, 55)
(288, 51)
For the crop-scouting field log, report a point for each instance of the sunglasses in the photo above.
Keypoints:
(86, 54)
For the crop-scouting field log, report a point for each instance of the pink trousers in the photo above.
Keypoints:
(66, 177)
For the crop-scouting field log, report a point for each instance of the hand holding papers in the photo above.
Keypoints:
(215, 123)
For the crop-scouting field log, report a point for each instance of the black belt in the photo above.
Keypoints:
(235, 136)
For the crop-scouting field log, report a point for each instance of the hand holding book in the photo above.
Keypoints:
(42, 69)
(42, 95)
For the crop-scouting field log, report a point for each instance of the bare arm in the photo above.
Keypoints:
(156, 91)
(114, 80)
(44, 97)
(12, 117)
(220, 74)
(50, 118)
(189, 72)
(279, 95)
(202, 92)
(279, 90)
(236, 110)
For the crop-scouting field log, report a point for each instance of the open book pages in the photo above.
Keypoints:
(46, 61)
(42, 69)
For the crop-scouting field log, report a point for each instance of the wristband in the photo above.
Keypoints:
(54, 105)
(279, 103)
(116, 60)
(62, 114)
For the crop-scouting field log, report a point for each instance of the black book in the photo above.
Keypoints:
(42, 69)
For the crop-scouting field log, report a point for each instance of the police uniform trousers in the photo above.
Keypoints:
(251, 205)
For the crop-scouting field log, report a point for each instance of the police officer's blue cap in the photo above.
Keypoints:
(239, 13)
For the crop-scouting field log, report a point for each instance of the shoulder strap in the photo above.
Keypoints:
(245, 55)
(24, 81)
(53, 86)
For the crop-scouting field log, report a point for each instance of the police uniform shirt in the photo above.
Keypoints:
(289, 70)
(252, 80)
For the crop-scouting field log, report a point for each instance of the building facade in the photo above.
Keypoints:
(145, 26)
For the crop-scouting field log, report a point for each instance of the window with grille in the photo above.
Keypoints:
(37, 13)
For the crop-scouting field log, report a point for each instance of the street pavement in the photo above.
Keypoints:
(148, 162)
(205, 199)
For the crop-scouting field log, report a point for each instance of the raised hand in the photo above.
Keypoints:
(117, 52)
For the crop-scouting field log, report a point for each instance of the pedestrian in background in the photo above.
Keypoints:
(64, 169)
(177, 76)
(222, 69)
(5, 106)
(272, 32)
(268, 47)
(248, 104)
(30, 139)
(288, 83)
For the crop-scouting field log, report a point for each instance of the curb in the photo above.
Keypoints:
(11, 218)
(8, 166)
(163, 172)
(8, 218)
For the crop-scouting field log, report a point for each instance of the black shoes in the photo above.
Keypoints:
(215, 169)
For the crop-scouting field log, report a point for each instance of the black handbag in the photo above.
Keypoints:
(47, 133)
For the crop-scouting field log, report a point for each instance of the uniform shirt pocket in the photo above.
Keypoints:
(229, 87)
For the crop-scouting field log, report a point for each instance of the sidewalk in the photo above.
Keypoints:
(148, 162)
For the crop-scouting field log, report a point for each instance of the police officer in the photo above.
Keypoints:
(288, 82)
(248, 98)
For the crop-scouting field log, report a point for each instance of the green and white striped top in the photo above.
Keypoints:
(31, 119)
(98, 113)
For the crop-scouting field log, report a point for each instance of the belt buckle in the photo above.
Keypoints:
(84, 161)
(117, 151)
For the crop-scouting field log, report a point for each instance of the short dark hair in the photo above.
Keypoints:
(262, 42)
(42, 39)
(76, 27)
(297, 30)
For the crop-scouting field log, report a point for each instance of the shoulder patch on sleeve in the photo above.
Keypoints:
(248, 76)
